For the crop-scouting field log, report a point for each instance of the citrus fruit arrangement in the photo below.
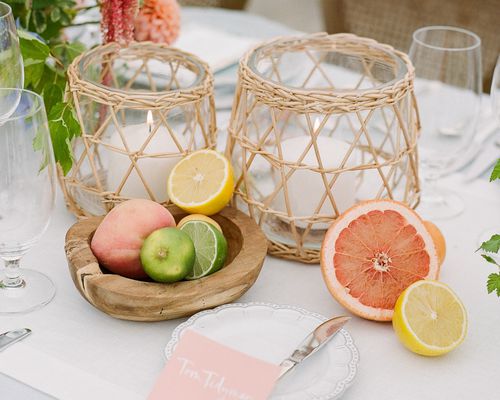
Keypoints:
(429, 319)
(381, 261)
(201, 183)
(139, 238)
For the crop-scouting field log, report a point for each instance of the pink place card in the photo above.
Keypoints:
(202, 369)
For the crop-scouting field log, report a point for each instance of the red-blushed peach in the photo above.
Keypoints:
(117, 241)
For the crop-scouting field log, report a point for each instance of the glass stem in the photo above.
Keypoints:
(430, 192)
(12, 275)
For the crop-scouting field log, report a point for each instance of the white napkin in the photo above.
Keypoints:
(218, 48)
(50, 375)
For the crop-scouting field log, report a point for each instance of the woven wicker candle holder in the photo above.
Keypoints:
(141, 109)
(318, 124)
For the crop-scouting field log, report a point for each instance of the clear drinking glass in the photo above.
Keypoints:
(448, 83)
(495, 104)
(11, 62)
(495, 91)
(27, 190)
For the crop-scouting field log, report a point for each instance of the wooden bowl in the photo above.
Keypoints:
(135, 300)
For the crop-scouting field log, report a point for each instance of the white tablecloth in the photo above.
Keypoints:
(77, 352)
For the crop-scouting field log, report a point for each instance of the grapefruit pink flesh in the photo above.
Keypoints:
(372, 253)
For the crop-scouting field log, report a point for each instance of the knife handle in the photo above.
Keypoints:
(11, 337)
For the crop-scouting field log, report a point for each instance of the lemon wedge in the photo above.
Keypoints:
(201, 183)
(429, 319)
(198, 217)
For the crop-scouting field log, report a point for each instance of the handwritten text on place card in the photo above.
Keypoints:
(202, 369)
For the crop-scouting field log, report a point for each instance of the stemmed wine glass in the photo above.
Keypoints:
(27, 191)
(11, 62)
(495, 91)
(495, 104)
(448, 83)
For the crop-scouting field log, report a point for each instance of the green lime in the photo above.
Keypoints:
(168, 255)
(210, 246)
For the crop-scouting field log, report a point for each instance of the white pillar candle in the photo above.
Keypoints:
(154, 170)
(306, 188)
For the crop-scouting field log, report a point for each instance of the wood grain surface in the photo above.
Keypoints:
(135, 300)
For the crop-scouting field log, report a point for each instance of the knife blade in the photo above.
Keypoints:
(11, 337)
(313, 342)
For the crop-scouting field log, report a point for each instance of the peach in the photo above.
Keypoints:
(117, 241)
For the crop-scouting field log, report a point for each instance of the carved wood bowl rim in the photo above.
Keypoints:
(135, 300)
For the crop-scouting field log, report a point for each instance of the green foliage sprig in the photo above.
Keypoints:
(492, 246)
(45, 17)
(47, 55)
(495, 174)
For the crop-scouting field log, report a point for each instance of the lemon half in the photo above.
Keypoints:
(429, 318)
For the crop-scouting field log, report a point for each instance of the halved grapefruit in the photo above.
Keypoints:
(372, 253)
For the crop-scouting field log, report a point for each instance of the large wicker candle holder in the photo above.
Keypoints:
(320, 123)
(141, 109)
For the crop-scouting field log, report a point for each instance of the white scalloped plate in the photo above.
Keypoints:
(271, 332)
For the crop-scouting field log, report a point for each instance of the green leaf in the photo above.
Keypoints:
(9, 66)
(67, 52)
(74, 49)
(41, 144)
(31, 47)
(63, 127)
(495, 174)
(33, 72)
(490, 259)
(492, 245)
(52, 94)
(38, 142)
(493, 283)
(66, 19)
(55, 14)
(39, 20)
(40, 4)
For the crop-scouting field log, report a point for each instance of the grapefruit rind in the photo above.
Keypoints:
(341, 293)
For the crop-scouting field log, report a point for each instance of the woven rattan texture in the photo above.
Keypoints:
(101, 105)
(263, 107)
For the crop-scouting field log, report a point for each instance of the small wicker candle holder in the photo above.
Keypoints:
(141, 109)
(320, 123)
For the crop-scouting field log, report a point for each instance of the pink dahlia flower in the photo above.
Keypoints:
(158, 21)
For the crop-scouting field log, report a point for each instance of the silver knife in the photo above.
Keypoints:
(11, 337)
(313, 342)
